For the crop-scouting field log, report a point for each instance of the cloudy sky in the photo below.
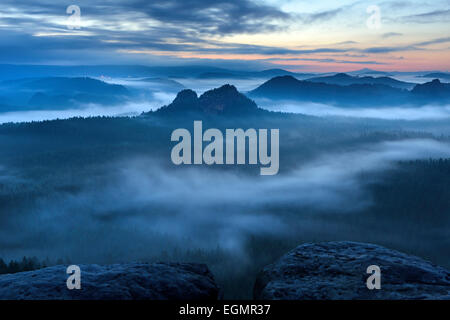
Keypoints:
(300, 35)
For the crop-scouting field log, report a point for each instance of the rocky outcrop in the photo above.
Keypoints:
(226, 100)
(186, 100)
(137, 281)
(337, 270)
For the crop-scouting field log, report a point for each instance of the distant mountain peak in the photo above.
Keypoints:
(186, 95)
(432, 85)
(330, 90)
(186, 100)
(226, 99)
(436, 82)
(366, 70)
(287, 79)
(225, 89)
(342, 75)
(345, 79)
(276, 69)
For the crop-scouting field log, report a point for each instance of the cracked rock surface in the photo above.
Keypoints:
(132, 281)
(337, 270)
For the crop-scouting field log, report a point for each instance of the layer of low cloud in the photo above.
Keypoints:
(428, 17)
(138, 207)
(427, 112)
(89, 110)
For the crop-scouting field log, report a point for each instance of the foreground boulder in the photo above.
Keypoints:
(337, 270)
(158, 281)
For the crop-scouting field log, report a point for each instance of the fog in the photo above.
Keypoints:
(152, 93)
(202, 85)
(162, 98)
(136, 208)
(146, 96)
(428, 112)
(90, 110)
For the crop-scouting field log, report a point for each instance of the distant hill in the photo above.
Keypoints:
(289, 88)
(164, 84)
(12, 108)
(433, 91)
(344, 79)
(225, 100)
(270, 73)
(280, 72)
(75, 85)
(60, 92)
(122, 71)
(222, 75)
(437, 75)
(367, 71)
(132, 71)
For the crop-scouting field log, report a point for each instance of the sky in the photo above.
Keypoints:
(298, 35)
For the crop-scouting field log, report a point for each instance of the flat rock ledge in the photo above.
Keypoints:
(133, 281)
(337, 271)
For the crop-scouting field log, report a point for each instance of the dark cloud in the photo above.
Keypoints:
(115, 29)
(396, 4)
(18, 47)
(390, 49)
(327, 60)
(434, 41)
(428, 17)
(139, 26)
(391, 34)
(412, 47)
(281, 51)
(216, 16)
(321, 16)
(213, 17)
(346, 42)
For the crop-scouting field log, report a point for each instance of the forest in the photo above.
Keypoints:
(104, 190)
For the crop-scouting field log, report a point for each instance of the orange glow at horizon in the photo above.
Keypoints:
(407, 61)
